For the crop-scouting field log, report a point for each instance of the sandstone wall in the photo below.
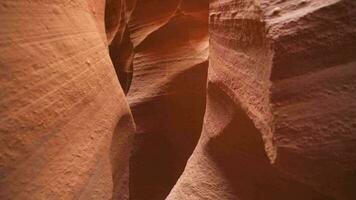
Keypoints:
(280, 109)
(167, 95)
(313, 92)
(65, 124)
(272, 117)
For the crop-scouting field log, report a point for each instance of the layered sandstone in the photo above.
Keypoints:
(313, 92)
(167, 95)
(272, 118)
(65, 124)
(280, 111)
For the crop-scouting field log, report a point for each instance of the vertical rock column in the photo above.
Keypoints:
(65, 125)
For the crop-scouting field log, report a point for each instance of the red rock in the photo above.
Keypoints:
(312, 94)
(280, 112)
(272, 118)
(62, 110)
(167, 95)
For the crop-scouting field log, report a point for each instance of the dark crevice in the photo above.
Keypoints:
(168, 126)
(120, 45)
(166, 138)
(121, 54)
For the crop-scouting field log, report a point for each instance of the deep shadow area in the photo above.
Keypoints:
(152, 167)
(120, 46)
(121, 54)
(168, 129)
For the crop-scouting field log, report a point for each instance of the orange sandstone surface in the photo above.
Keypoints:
(178, 99)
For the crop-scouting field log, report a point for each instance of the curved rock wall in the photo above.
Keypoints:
(279, 112)
(65, 124)
(231, 160)
(167, 95)
(272, 118)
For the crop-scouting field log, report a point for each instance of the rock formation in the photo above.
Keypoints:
(62, 109)
(272, 117)
(313, 92)
(167, 95)
(280, 110)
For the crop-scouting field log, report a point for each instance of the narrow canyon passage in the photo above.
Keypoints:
(165, 46)
(178, 99)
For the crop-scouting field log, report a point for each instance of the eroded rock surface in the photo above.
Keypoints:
(313, 92)
(280, 112)
(278, 98)
(61, 106)
(167, 95)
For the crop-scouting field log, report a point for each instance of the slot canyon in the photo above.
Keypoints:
(178, 99)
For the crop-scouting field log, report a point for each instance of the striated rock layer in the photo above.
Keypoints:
(313, 92)
(167, 95)
(280, 118)
(65, 124)
(278, 98)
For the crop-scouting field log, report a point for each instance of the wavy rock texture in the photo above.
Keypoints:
(280, 112)
(167, 95)
(65, 124)
(278, 98)
(117, 15)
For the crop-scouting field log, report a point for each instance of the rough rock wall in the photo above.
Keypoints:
(167, 96)
(280, 118)
(65, 124)
(313, 92)
(280, 114)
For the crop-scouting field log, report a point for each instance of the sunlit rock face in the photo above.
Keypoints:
(65, 125)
